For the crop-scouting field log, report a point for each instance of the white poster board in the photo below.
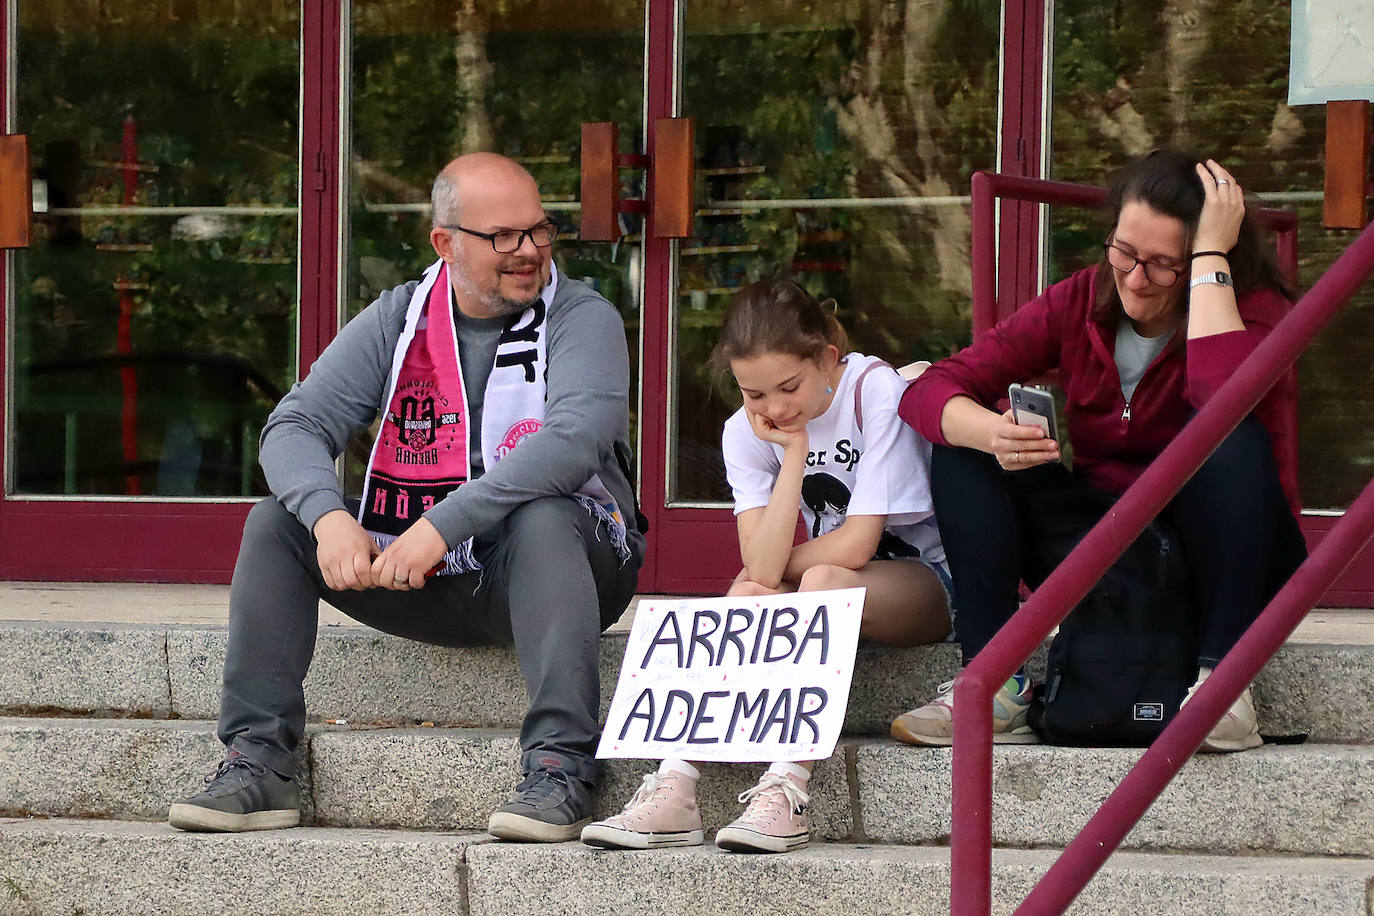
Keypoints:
(736, 679)
(1332, 54)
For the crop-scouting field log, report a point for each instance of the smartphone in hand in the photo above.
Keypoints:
(1033, 407)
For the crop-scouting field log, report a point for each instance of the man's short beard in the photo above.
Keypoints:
(501, 306)
(498, 305)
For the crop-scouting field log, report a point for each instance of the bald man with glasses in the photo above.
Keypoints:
(497, 506)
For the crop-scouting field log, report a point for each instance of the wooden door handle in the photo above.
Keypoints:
(16, 191)
(672, 173)
(671, 179)
(600, 182)
(1347, 165)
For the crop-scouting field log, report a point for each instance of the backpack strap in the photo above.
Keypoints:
(859, 392)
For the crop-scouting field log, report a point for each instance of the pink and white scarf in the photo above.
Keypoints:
(421, 452)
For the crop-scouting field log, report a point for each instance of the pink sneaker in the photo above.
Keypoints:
(775, 820)
(662, 812)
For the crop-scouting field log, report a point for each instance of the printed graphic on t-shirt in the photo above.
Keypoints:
(828, 500)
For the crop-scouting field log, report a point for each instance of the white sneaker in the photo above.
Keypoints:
(1238, 730)
(662, 812)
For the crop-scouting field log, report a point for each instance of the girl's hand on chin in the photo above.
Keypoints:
(768, 432)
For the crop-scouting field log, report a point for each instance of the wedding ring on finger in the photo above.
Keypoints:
(1016, 458)
(1222, 181)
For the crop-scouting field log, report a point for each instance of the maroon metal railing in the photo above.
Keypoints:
(971, 854)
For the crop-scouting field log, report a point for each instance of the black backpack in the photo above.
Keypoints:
(1124, 658)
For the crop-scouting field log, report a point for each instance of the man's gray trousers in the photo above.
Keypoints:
(551, 582)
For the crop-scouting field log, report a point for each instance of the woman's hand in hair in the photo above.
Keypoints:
(1223, 209)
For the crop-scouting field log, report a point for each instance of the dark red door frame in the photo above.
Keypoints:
(691, 550)
(322, 176)
(660, 101)
(1020, 148)
(153, 541)
(694, 550)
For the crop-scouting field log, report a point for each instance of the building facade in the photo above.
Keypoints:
(220, 185)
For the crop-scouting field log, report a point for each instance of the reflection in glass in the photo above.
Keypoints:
(835, 143)
(1129, 78)
(433, 80)
(154, 321)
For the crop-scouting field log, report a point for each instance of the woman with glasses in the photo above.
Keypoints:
(1185, 290)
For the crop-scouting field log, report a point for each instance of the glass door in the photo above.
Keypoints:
(835, 142)
(431, 80)
(1111, 100)
(152, 323)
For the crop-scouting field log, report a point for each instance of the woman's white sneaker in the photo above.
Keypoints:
(1238, 730)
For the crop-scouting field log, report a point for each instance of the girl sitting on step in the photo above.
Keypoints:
(818, 432)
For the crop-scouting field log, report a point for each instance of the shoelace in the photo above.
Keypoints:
(647, 787)
(946, 693)
(534, 787)
(771, 788)
(234, 762)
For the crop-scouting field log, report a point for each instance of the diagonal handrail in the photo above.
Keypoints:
(1104, 832)
(971, 836)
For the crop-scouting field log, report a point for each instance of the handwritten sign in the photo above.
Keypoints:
(736, 679)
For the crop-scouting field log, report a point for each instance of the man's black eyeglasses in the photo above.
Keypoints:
(508, 240)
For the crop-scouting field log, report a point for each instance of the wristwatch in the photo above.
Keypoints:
(1219, 277)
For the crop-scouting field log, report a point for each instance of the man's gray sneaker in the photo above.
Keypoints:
(239, 795)
(549, 806)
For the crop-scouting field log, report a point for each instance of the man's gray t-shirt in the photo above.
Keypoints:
(477, 356)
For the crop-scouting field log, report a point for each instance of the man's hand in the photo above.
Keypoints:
(345, 552)
(405, 561)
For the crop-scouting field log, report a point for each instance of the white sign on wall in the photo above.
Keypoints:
(1332, 51)
(736, 679)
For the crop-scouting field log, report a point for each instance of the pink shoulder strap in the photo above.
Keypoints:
(859, 392)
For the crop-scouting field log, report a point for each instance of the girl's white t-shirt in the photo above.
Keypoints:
(883, 469)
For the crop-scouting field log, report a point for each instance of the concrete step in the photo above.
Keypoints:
(358, 674)
(432, 778)
(64, 867)
(892, 879)
(1311, 799)
(1319, 689)
(61, 867)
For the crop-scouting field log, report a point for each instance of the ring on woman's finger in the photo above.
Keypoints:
(1222, 181)
(1016, 459)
